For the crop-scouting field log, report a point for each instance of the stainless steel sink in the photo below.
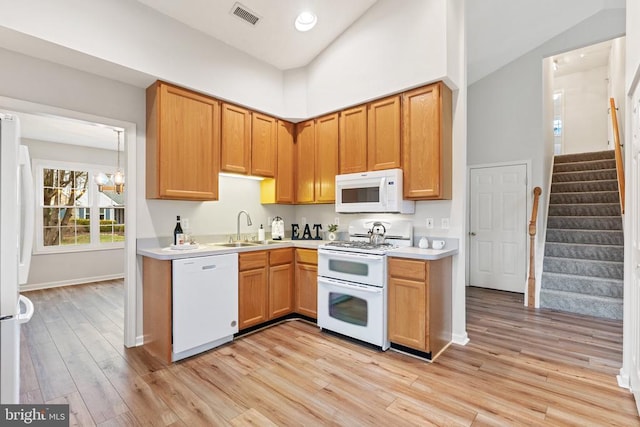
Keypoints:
(235, 244)
(271, 242)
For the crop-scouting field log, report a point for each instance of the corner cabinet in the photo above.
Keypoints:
(281, 189)
(420, 305)
(305, 161)
(182, 144)
(426, 142)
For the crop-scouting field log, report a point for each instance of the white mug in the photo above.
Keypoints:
(437, 244)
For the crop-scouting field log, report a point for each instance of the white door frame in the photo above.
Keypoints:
(130, 294)
(527, 164)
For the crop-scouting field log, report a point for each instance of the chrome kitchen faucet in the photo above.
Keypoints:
(248, 223)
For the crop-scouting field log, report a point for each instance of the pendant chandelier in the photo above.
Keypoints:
(102, 179)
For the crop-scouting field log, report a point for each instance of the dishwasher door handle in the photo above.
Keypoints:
(209, 267)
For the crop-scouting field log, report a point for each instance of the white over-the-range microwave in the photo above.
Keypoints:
(377, 191)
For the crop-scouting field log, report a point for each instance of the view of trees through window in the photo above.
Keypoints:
(68, 204)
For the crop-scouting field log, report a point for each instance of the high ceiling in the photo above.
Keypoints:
(273, 39)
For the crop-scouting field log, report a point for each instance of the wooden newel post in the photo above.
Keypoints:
(531, 284)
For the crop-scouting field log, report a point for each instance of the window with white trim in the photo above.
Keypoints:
(72, 214)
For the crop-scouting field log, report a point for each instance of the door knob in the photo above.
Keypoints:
(471, 233)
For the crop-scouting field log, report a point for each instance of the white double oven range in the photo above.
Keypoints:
(352, 279)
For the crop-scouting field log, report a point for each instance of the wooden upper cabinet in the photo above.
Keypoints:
(285, 161)
(235, 153)
(182, 144)
(264, 140)
(305, 162)
(353, 140)
(384, 134)
(426, 142)
(326, 158)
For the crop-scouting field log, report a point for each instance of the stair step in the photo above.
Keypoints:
(581, 251)
(584, 186)
(582, 157)
(595, 175)
(584, 166)
(590, 305)
(613, 288)
(584, 209)
(589, 237)
(582, 267)
(585, 222)
(592, 197)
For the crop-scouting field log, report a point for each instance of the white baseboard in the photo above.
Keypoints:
(623, 379)
(460, 339)
(79, 281)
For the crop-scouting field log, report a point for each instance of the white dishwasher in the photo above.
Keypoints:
(205, 303)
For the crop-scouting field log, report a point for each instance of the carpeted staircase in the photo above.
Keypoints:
(583, 260)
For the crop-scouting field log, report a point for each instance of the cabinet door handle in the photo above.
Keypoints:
(471, 233)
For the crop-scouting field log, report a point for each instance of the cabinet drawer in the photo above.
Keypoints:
(408, 269)
(251, 260)
(280, 256)
(307, 256)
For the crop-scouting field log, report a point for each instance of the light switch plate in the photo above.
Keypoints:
(444, 223)
(429, 222)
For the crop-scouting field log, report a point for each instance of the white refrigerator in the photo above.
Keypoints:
(17, 210)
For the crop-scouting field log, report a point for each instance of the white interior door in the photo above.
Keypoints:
(498, 227)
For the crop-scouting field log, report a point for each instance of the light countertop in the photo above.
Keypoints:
(424, 254)
(153, 250)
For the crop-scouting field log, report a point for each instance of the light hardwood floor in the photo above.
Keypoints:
(521, 367)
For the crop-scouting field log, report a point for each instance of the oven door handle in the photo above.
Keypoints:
(345, 285)
(348, 255)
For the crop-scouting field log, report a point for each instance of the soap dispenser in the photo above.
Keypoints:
(261, 233)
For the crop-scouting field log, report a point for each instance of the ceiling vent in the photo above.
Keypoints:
(243, 12)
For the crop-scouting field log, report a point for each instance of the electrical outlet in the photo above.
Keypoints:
(444, 223)
(336, 221)
(185, 223)
(269, 220)
(429, 222)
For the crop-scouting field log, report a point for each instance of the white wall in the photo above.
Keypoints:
(387, 50)
(617, 64)
(586, 101)
(73, 267)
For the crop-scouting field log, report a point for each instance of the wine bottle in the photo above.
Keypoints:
(178, 235)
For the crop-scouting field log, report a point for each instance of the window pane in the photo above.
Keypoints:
(50, 217)
(51, 236)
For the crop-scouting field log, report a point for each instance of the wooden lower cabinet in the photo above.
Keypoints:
(265, 286)
(420, 304)
(307, 282)
(253, 291)
(281, 283)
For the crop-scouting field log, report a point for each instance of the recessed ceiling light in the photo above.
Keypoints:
(306, 21)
